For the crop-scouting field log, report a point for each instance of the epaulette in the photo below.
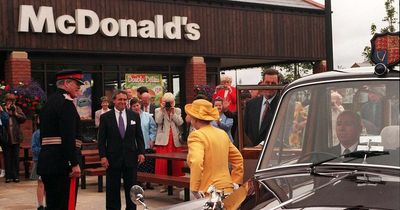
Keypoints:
(68, 97)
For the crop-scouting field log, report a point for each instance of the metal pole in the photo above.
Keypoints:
(328, 35)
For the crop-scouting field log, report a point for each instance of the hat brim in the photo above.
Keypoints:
(80, 82)
(192, 113)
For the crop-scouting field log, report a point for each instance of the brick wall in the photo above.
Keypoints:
(17, 68)
(195, 75)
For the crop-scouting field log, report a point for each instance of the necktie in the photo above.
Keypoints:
(346, 151)
(121, 125)
(266, 110)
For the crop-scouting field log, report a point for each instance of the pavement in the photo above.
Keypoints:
(22, 196)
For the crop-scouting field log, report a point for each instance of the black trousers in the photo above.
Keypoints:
(11, 160)
(113, 179)
(57, 191)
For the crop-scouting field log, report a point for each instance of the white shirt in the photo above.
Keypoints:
(352, 148)
(123, 116)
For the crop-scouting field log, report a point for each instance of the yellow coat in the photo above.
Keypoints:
(210, 150)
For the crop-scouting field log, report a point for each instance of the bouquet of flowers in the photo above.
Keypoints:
(30, 97)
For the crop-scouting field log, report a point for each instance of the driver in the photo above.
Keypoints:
(348, 130)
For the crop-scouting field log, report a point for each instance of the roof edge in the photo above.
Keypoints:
(321, 6)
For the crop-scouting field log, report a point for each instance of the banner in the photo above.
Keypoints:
(153, 82)
(83, 103)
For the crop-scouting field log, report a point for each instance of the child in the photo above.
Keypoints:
(35, 156)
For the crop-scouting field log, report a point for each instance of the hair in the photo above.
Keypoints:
(270, 71)
(104, 98)
(119, 92)
(337, 95)
(353, 115)
(134, 100)
(10, 97)
(225, 77)
(168, 96)
(218, 98)
(142, 90)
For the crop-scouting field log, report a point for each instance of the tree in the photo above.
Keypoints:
(391, 20)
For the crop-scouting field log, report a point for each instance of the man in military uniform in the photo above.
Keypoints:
(59, 127)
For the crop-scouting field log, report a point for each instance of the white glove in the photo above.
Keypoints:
(235, 186)
(198, 195)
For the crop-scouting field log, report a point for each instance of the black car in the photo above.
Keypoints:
(299, 167)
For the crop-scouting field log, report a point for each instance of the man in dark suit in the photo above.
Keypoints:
(348, 130)
(121, 148)
(146, 104)
(372, 110)
(260, 111)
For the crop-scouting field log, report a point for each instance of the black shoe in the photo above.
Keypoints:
(16, 180)
(41, 208)
(8, 180)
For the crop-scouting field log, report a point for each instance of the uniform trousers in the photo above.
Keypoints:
(57, 191)
(11, 160)
(113, 187)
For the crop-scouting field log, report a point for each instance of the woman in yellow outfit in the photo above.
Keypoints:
(210, 150)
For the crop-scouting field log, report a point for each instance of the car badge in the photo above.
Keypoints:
(385, 49)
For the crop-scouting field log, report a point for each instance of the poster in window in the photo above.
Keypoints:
(153, 82)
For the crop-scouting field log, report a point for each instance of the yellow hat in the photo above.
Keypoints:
(202, 109)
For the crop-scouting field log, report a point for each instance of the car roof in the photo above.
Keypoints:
(343, 74)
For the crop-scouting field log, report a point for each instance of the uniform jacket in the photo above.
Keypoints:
(252, 117)
(120, 151)
(59, 118)
(164, 123)
(210, 150)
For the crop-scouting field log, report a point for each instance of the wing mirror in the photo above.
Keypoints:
(137, 196)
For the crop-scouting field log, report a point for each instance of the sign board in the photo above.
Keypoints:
(153, 82)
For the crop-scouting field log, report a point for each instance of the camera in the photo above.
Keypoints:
(168, 105)
(12, 108)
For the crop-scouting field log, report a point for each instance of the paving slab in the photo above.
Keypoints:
(22, 196)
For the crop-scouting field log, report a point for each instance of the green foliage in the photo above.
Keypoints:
(391, 20)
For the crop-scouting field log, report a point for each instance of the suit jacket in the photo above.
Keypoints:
(376, 118)
(209, 154)
(252, 114)
(164, 123)
(120, 151)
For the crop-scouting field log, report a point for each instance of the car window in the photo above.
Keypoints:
(305, 128)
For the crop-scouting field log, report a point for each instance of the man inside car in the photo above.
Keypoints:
(348, 130)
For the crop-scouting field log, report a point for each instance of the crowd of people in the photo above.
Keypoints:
(134, 127)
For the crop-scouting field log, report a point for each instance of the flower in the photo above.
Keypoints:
(30, 97)
(205, 90)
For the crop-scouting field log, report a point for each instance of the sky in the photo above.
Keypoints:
(351, 22)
